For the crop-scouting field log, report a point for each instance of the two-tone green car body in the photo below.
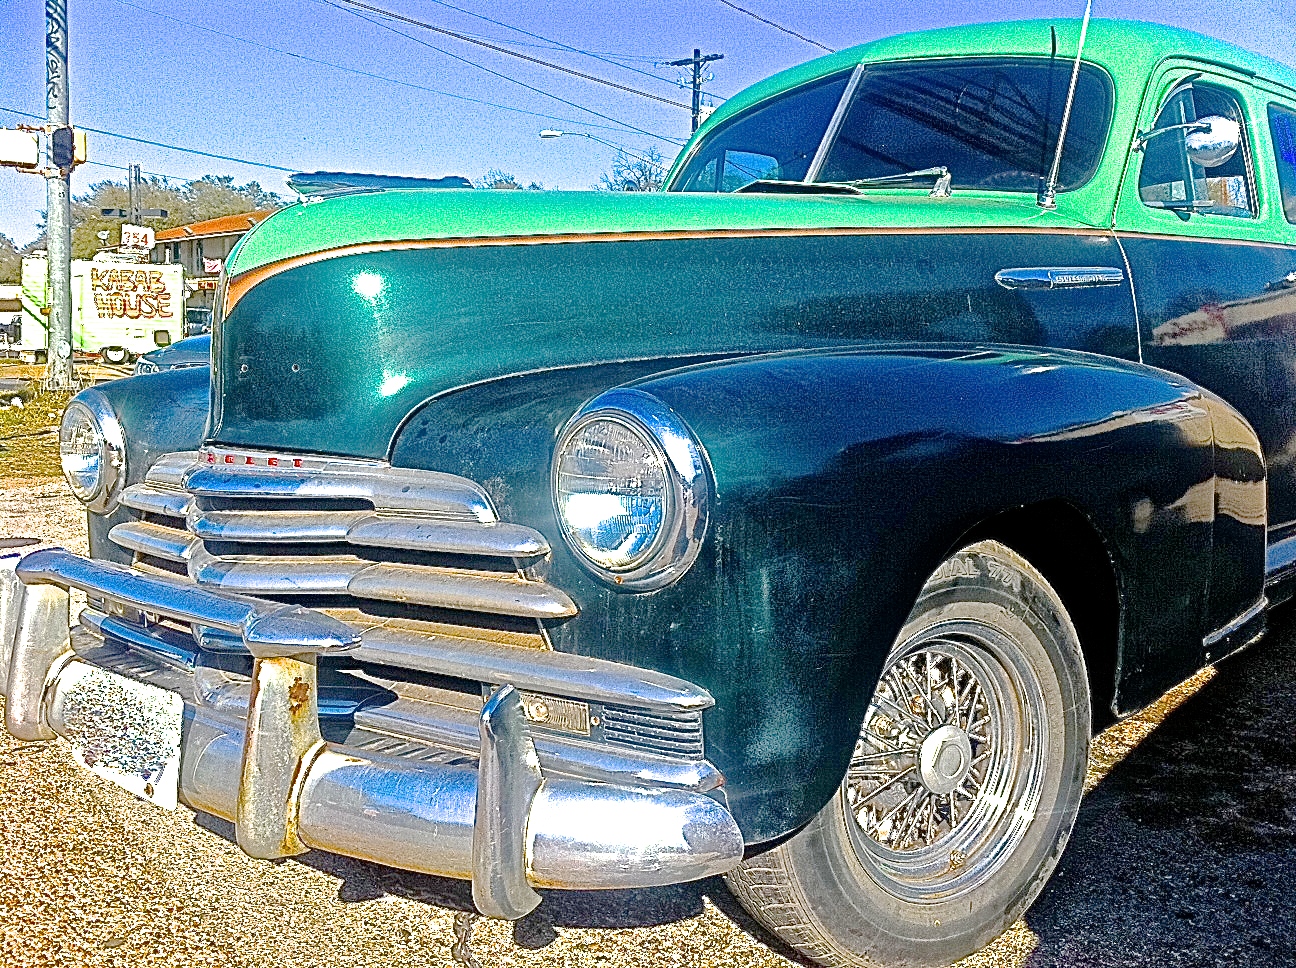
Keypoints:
(797, 523)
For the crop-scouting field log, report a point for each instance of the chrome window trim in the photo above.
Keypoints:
(699, 142)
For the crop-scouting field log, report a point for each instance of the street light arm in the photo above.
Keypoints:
(551, 133)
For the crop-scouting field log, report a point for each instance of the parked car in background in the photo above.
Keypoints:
(198, 321)
(194, 351)
(799, 523)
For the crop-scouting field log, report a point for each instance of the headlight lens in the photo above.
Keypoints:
(631, 490)
(92, 451)
(83, 452)
(612, 492)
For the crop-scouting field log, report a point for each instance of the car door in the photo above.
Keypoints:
(1213, 255)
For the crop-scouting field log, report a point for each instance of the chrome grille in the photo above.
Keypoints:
(261, 524)
(677, 734)
(417, 559)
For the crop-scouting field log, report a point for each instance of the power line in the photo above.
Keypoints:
(159, 144)
(158, 174)
(771, 23)
(353, 70)
(495, 73)
(556, 44)
(466, 38)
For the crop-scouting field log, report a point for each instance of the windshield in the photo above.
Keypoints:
(774, 140)
(993, 122)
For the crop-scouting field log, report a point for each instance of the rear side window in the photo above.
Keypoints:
(1282, 125)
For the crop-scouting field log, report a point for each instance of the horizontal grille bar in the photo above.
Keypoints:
(263, 504)
(387, 488)
(147, 538)
(156, 499)
(170, 471)
(498, 594)
(365, 529)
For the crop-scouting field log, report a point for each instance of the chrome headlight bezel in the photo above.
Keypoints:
(91, 404)
(688, 489)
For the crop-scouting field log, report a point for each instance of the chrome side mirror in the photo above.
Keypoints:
(1216, 145)
(1209, 141)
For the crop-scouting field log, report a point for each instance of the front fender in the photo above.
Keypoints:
(160, 413)
(842, 480)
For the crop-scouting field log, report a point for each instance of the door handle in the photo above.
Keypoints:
(1059, 277)
(1286, 282)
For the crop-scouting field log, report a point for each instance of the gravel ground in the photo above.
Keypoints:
(1183, 855)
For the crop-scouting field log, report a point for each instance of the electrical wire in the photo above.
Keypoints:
(501, 76)
(771, 23)
(556, 44)
(468, 39)
(354, 70)
(159, 144)
(158, 174)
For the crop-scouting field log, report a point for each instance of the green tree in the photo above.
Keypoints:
(215, 195)
(634, 173)
(10, 261)
(208, 197)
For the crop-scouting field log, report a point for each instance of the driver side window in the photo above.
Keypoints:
(1169, 178)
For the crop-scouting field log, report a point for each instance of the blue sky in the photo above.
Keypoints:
(136, 72)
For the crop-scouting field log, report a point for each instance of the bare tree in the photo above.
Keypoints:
(635, 173)
(10, 260)
(499, 180)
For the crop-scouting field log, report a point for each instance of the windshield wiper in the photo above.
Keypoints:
(940, 189)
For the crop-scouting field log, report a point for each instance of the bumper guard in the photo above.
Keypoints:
(501, 822)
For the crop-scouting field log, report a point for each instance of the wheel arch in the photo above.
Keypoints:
(1067, 548)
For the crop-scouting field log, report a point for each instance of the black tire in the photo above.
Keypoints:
(115, 355)
(876, 891)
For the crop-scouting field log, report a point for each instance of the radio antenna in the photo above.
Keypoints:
(1049, 199)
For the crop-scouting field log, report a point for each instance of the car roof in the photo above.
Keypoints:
(1125, 48)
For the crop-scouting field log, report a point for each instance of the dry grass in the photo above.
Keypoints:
(29, 433)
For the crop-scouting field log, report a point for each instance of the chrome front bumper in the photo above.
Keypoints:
(500, 818)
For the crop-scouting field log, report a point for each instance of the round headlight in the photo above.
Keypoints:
(92, 451)
(631, 491)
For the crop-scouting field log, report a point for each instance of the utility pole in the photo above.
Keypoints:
(697, 61)
(135, 194)
(58, 197)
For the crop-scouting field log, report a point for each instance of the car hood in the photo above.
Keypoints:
(343, 316)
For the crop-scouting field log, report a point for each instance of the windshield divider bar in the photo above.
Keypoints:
(834, 125)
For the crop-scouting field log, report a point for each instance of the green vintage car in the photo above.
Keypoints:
(798, 523)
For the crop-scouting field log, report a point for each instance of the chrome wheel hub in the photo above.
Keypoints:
(944, 759)
(949, 763)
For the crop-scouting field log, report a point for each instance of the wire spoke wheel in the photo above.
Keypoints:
(948, 767)
(962, 785)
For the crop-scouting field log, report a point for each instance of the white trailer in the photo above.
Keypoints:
(119, 309)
